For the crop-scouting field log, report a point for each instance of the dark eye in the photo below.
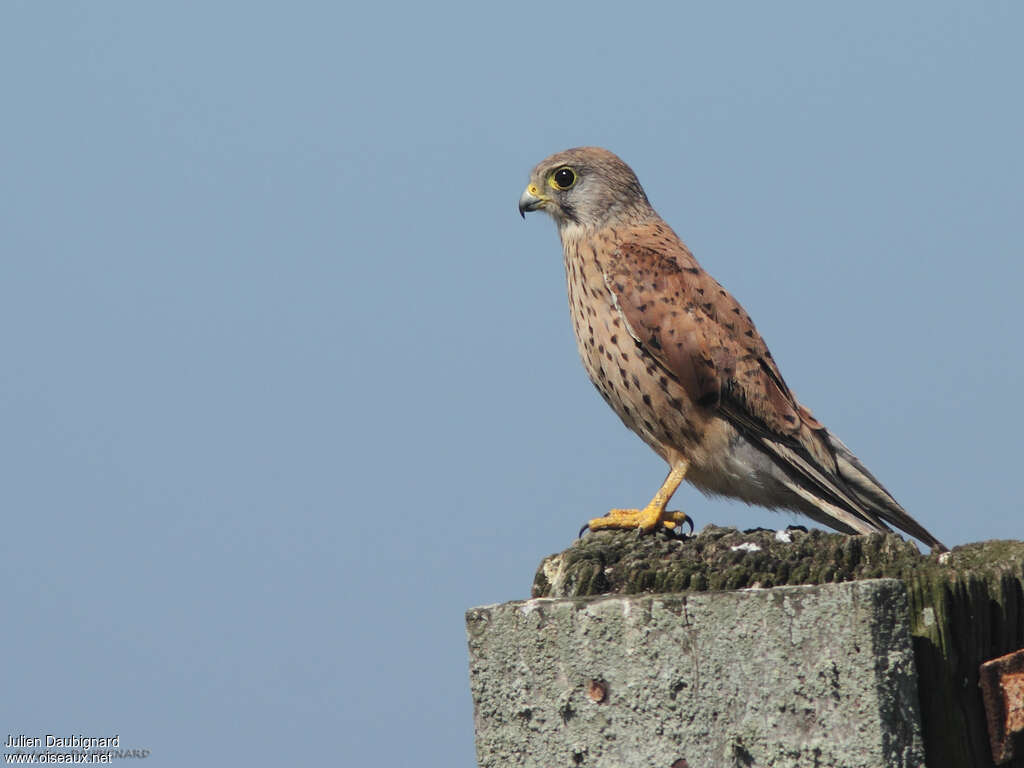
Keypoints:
(564, 178)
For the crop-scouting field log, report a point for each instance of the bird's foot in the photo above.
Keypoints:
(650, 518)
(654, 515)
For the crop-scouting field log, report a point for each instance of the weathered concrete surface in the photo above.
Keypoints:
(792, 676)
(966, 606)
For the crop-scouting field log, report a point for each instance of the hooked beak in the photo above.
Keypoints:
(531, 200)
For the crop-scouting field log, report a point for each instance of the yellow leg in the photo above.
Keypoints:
(648, 518)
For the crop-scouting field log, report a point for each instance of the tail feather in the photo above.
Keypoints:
(846, 494)
(872, 494)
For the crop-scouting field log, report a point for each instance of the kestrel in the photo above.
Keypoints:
(681, 363)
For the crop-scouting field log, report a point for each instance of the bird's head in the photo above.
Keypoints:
(586, 187)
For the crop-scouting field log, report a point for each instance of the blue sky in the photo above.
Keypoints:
(288, 385)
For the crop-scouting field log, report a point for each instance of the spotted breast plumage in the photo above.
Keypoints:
(681, 363)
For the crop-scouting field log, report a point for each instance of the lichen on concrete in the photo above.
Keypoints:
(620, 562)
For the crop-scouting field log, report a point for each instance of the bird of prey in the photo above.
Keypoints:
(681, 363)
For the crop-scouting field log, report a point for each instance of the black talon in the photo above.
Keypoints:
(678, 530)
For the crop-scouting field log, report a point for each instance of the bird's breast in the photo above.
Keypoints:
(646, 397)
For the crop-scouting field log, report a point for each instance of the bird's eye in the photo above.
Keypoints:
(563, 178)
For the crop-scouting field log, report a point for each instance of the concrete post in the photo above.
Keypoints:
(791, 676)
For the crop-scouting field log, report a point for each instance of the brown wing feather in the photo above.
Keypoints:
(701, 335)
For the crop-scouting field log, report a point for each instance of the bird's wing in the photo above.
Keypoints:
(698, 332)
(701, 335)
